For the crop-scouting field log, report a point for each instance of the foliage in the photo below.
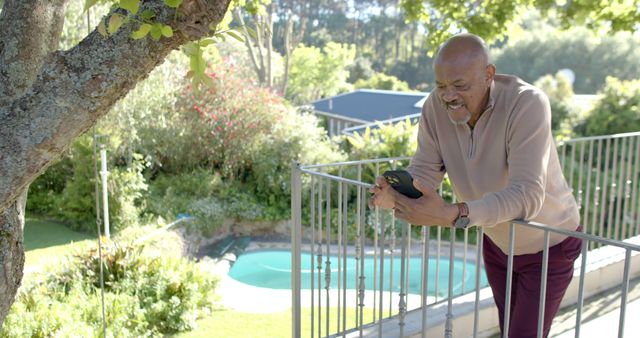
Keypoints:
(360, 69)
(558, 89)
(144, 297)
(492, 19)
(233, 116)
(545, 50)
(317, 73)
(383, 81)
(618, 111)
(71, 196)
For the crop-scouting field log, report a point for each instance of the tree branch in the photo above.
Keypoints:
(76, 87)
(29, 30)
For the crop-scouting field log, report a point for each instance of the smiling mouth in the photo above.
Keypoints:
(454, 106)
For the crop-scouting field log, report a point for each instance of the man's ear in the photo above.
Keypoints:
(490, 72)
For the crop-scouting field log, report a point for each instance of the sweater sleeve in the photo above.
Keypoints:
(529, 142)
(426, 164)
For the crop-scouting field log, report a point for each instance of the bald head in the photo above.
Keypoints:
(463, 50)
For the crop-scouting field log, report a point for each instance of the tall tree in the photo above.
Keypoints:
(49, 97)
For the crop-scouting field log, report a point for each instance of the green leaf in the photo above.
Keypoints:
(197, 64)
(102, 28)
(167, 31)
(130, 5)
(235, 36)
(147, 14)
(191, 48)
(173, 3)
(115, 21)
(88, 4)
(156, 31)
(141, 32)
(251, 32)
(206, 42)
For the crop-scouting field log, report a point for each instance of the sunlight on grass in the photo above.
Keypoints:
(233, 324)
(44, 242)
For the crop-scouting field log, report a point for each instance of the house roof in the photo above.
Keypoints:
(372, 105)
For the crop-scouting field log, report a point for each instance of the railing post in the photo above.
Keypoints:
(296, 240)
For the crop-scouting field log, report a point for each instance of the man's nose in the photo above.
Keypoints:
(449, 95)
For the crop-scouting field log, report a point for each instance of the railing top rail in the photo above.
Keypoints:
(580, 235)
(337, 178)
(600, 137)
(340, 164)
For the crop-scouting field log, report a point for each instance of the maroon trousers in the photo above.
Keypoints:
(525, 285)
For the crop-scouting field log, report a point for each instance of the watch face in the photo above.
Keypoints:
(462, 222)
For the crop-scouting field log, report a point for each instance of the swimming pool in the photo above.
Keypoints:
(272, 269)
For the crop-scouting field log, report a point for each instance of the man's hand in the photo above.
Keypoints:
(383, 194)
(430, 209)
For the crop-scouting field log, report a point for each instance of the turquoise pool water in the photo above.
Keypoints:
(272, 269)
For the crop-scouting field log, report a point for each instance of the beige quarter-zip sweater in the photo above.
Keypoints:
(505, 168)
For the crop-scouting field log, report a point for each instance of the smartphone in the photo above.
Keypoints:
(402, 182)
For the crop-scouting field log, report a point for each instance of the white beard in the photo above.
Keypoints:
(462, 122)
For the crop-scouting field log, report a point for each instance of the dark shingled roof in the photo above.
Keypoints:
(372, 105)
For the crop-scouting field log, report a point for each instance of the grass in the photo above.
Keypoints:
(46, 241)
(234, 324)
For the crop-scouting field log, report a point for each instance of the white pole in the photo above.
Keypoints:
(105, 195)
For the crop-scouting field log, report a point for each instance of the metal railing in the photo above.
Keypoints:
(364, 271)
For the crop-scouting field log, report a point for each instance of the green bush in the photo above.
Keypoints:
(560, 93)
(144, 297)
(383, 81)
(75, 203)
(618, 111)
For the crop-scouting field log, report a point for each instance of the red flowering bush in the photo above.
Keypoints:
(234, 115)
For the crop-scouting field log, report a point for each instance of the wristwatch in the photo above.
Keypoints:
(462, 221)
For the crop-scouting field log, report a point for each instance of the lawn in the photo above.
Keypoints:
(44, 242)
(233, 324)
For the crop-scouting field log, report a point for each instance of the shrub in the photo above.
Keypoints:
(383, 81)
(144, 297)
(558, 89)
(618, 111)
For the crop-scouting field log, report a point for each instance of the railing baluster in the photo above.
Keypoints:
(626, 223)
(625, 291)
(507, 294)
(438, 247)
(402, 310)
(585, 210)
(319, 257)
(327, 270)
(613, 190)
(296, 239)
(448, 328)
(571, 165)
(543, 284)
(312, 254)
(476, 310)
(359, 254)
(583, 270)
(425, 277)
(375, 249)
(596, 194)
(620, 191)
(580, 166)
(345, 241)
(635, 181)
(464, 260)
(382, 234)
(605, 187)
(361, 286)
(339, 253)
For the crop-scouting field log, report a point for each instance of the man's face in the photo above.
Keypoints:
(462, 86)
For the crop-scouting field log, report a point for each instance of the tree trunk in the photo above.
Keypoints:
(11, 253)
(47, 99)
